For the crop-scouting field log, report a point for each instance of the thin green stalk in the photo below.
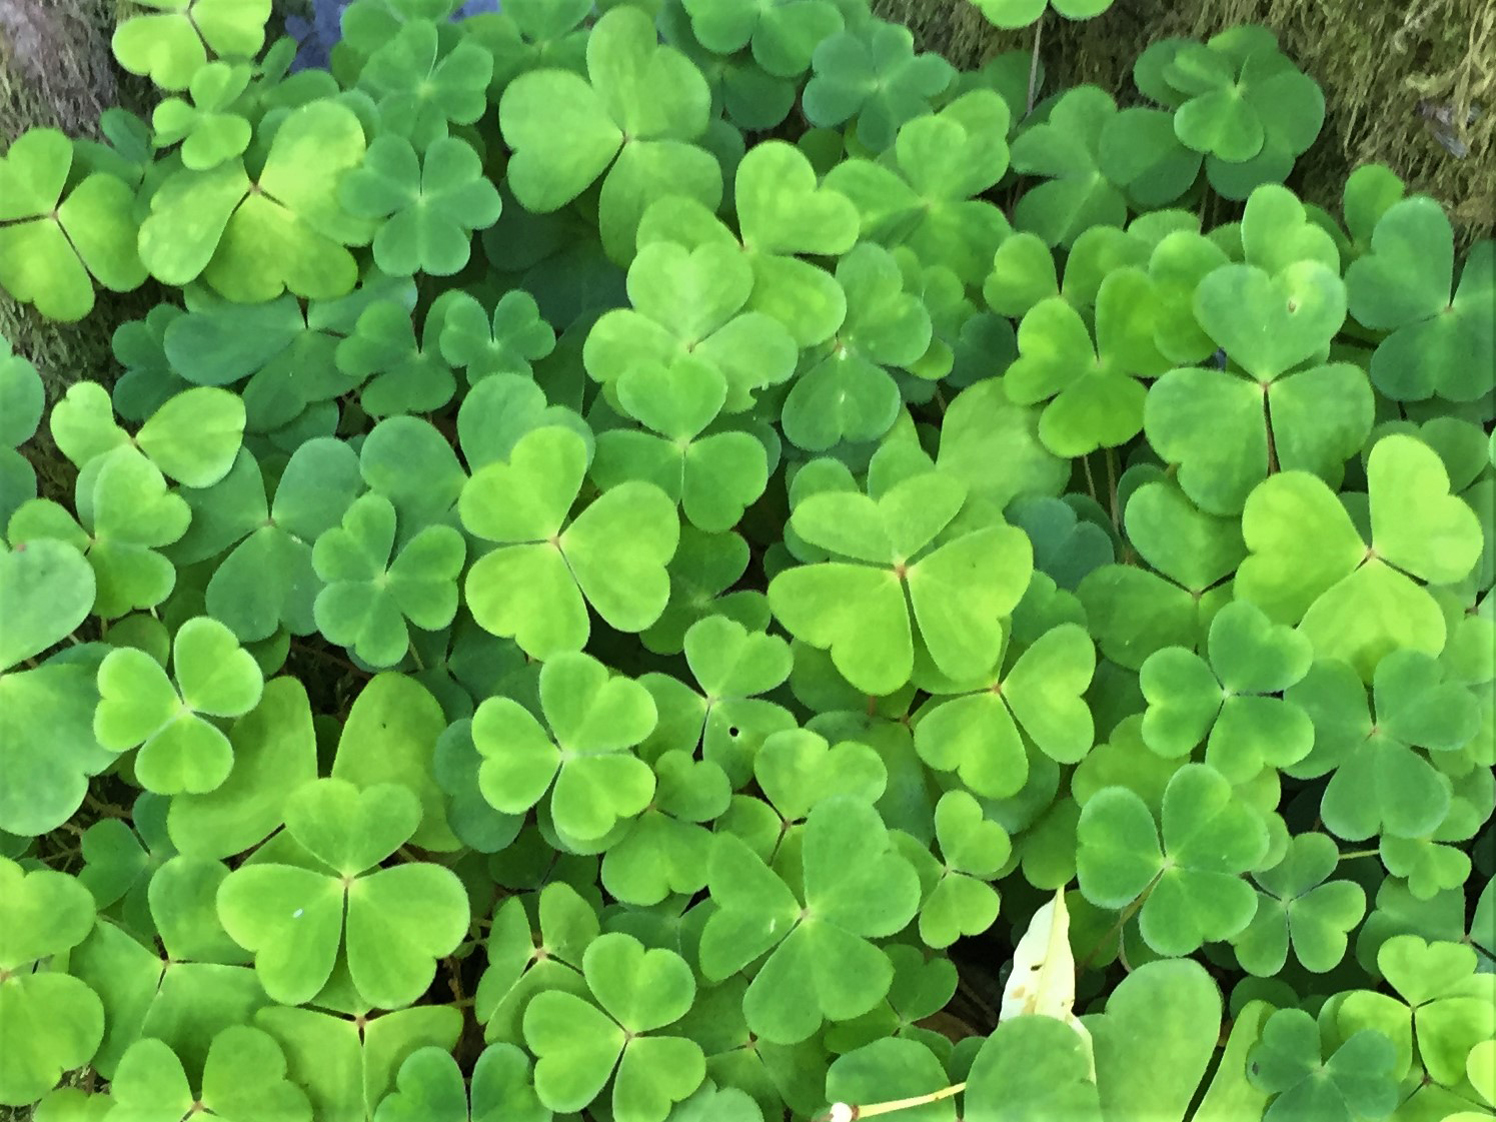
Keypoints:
(1111, 488)
(1126, 914)
(1033, 78)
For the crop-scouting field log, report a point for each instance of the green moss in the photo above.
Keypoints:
(57, 71)
(1386, 66)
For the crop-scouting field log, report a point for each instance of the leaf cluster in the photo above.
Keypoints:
(657, 556)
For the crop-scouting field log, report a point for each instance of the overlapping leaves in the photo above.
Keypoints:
(53, 249)
(611, 556)
(859, 608)
(1193, 879)
(1310, 566)
(804, 415)
(634, 117)
(180, 748)
(390, 924)
(823, 963)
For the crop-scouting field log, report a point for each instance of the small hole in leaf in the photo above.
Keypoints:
(733, 731)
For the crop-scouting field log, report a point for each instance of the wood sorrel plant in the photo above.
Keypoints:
(652, 533)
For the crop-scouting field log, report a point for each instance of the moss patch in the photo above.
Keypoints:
(1397, 74)
(57, 71)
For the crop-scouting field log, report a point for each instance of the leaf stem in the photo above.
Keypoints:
(1267, 424)
(108, 810)
(1111, 488)
(317, 652)
(1033, 78)
(847, 1112)
(454, 982)
(1126, 914)
(1085, 462)
(1353, 854)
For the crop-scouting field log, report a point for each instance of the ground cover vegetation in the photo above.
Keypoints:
(666, 561)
